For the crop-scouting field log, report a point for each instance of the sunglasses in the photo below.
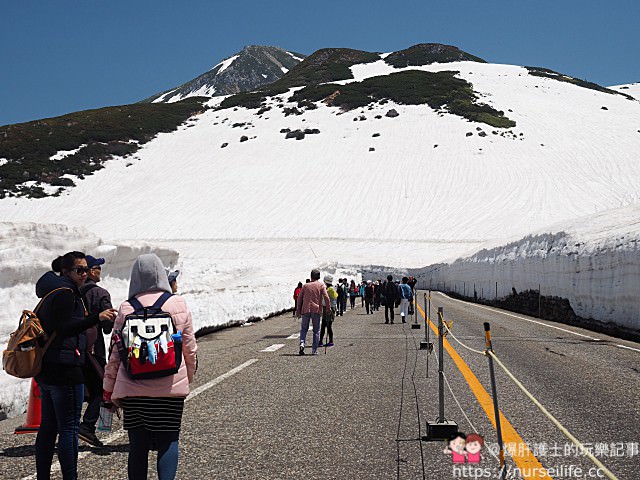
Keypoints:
(80, 270)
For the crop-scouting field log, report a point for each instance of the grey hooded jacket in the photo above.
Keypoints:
(148, 274)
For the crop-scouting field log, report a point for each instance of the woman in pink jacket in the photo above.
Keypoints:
(152, 407)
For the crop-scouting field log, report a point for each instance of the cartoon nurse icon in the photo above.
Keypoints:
(455, 447)
(473, 447)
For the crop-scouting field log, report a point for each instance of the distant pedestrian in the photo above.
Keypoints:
(353, 293)
(296, 294)
(412, 283)
(152, 407)
(97, 299)
(328, 316)
(342, 293)
(391, 295)
(406, 297)
(368, 297)
(310, 307)
(377, 291)
(361, 293)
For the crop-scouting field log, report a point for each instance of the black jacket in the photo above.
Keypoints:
(391, 293)
(97, 299)
(64, 313)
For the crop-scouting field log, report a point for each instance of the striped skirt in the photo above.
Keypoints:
(156, 414)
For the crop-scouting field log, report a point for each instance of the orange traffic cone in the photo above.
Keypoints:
(34, 411)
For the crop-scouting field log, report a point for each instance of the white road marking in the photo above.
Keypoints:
(273, 348)
(519, 317)
(219, 379)
(294, 336)
(55, 467)
(628, 348)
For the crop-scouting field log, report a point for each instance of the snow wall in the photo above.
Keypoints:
(601, 280)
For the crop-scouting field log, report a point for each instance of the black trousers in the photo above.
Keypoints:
(388, 309)
(327, 321)
(368, 303)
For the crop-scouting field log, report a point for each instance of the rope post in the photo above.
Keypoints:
(426, 344)
(440, 366)
(442, 429)
(415, 325)
(496, 409)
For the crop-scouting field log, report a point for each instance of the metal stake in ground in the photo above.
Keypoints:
(496, 410)
(442, 429)
(426, 344)
(415, 325)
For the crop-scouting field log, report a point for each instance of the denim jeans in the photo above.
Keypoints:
(61, 408)
(140, 441)
(315, 318)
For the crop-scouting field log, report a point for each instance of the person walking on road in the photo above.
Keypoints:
(328, 317)
(310, 306)
(97, 299)
(406, 297)
(61, 379)
(377, 294)
(353, 293)
(391, 296)
(296, 294)
(152, 407)
(340, 288)
(368, 297)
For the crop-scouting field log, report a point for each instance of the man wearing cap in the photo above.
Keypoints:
(173, 280)
(310, 306)
(96, 299)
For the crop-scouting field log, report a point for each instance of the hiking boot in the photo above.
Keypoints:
(301, 352)
(330, 344)
(88, 435)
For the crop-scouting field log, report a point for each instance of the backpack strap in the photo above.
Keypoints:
(35, 310)
(156, 307)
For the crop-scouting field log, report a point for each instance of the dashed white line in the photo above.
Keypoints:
(273, 348)
(293, 336)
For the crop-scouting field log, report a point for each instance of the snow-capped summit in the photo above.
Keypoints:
(252, 67)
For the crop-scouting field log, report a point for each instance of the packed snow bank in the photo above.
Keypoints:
(594, 262)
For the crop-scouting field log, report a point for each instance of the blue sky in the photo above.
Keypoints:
(61, 56)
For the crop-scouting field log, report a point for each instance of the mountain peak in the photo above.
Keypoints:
(253, 67)
(427, 53)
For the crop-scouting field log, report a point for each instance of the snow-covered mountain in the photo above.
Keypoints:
(400, 160)
(252, 67)
(632, 89)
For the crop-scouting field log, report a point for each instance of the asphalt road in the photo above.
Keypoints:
(359, 410)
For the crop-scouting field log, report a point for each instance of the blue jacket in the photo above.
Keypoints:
(406, 292)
